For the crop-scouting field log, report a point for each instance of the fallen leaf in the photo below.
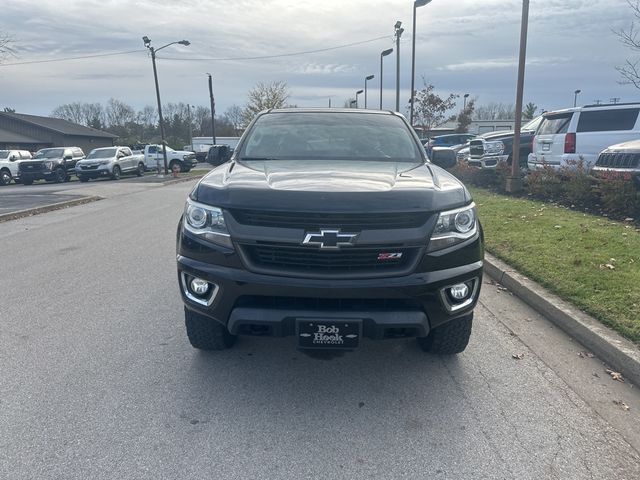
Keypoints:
(557, 226)
(518, 356)
(622, 405)
(615, 375)
(585, 355)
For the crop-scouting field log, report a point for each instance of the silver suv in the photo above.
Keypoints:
(622, 159)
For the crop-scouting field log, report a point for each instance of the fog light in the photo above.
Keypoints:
(459, 292)
(199, 286)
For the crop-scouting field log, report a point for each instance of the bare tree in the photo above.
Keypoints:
(118, 113)
(148, 116)
(495, 111)
(264, 96)
(630, 38)
(235, 116)
(5, 46)
(72, 112)
(430, 110)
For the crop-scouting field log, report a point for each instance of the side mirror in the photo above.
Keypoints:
(68, 157)
(13, 158)
(443, 157)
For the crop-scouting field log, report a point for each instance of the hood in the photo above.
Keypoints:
(502, 134)
(93, 161)
(331, 186)
(632, 146)
(182, 152)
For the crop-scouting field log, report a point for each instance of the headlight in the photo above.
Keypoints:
(494, 148)
(48, 165)
(105, 162)
(206, 222)
(454, 226)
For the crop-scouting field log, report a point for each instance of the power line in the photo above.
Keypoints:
(263, 57)
(97, 55)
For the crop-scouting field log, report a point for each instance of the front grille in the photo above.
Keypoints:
(344, 221)
(31, 166)
(476, 148)
(619, 160)
(88, 167)
(298, 259)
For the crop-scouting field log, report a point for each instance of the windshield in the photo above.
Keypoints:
(4, 153)
(533, 124)
(330, 136)
(102, 153)
(49, 153)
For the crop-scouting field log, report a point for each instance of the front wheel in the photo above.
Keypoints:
(115, 173)
(5, 177)
(205, 333)
(176, 166)
(140, 170)
(450, 338)
(59, 175)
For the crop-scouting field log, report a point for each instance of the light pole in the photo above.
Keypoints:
(575, 97)
(366, 79)
(466, 95)
(399, 32)
(358, 93)
(213, 109)
(147, 43)
(190, 127)
(383, 54)
(416, 4)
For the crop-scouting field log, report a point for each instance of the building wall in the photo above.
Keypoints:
(85, 143)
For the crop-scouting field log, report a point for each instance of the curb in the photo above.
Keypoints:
(617, 352)
(29, 212)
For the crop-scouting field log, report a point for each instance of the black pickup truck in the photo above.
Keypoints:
(330, 225)
(51, 164)
(490, 149)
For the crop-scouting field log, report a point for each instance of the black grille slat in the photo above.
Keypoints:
(476, 148)
(619, 160)
(344, 221)
(292, 258)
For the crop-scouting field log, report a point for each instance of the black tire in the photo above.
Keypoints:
(27, 181)
(140, 170)
(450, 338)
(59, 175)
(83, 178)
(205, 333)
(5, 177)
(115, 173)
(178, 164)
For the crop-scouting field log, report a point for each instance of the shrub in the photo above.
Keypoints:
(619, 195)
(545, 184)
(578, 186)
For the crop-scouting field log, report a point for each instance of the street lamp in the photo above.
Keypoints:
(366, 79)
(575, 97)
(358, 93)
(147, 43)
(399, 32)
(383, 54)
(466, 95)
(416, 4)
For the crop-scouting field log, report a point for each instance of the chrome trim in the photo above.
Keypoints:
(459, 306)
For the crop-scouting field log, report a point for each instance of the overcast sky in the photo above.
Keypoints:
(462, 46)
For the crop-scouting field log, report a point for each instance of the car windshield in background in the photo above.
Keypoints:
(50, 153)
(330, 136)
(107, 153)
(554, 124)
(4, 153)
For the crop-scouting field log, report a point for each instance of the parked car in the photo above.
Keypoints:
(454, 140)
(490, 149)
(330, 225)
(109, 162)
(9, 164)
(566, 137)
(51, 164)
(218, 154)
(181, 159)
(622, 159)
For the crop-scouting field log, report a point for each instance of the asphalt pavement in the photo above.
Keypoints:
(98, 379)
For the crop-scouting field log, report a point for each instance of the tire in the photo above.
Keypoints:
(5, 177)
(27, 181)
(205, 333)
(59, 175)
(83, 178)
(450, 338)
(115, 173)
(140, 170)
(176, 163)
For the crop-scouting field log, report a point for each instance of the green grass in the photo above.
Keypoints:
(588, 260)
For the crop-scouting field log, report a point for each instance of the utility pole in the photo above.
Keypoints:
(398, 31)
(190, 127)
(213, 109)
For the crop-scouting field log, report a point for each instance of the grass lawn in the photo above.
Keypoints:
(588, 260)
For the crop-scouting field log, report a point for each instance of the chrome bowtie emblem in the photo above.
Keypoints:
(330, 239)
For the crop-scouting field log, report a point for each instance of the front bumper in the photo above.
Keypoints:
(488, 161)
(37, 175)
(93, 172)
(259, 304)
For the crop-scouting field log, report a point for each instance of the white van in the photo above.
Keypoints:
(567, 136)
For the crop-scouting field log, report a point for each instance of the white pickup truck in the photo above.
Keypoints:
(181, 160)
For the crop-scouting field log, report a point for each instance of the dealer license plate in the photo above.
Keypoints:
(329, 334)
